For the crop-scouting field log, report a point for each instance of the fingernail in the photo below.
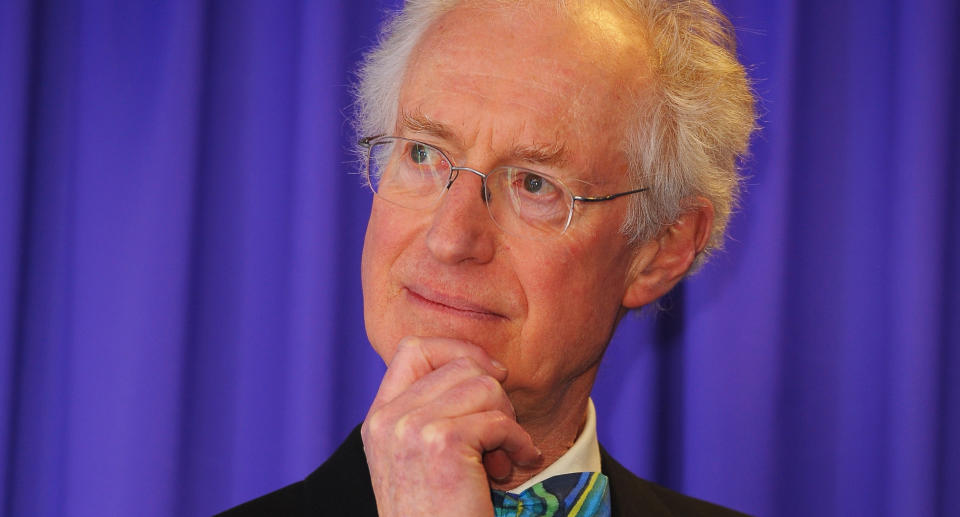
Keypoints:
(498, 365)
(534, 461)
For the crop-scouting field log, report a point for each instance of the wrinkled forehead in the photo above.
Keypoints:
(584, 36)
(554, 72)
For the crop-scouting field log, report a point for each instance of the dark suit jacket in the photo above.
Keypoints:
(341, 486)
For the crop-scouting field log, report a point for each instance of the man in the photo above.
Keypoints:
(541, 168)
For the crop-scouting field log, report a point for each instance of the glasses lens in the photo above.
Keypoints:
(528, 204)
(408, 173)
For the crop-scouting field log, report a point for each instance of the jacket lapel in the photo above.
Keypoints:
(630, 496)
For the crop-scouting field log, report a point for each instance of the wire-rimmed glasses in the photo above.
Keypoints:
(522, 202)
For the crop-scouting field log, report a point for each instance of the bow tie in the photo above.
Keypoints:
(580, 494)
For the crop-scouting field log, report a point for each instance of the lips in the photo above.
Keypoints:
(446, 302)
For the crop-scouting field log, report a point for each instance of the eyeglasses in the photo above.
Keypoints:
(522, 202)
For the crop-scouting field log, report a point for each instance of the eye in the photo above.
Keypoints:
(532, 183)
(535, 186)
(420, 153)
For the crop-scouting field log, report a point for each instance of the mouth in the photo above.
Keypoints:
(450, 304)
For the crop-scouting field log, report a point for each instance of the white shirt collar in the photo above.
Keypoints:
(584, 456)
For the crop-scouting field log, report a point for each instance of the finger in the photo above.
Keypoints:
(472, 395)
(456, 388)
(497, 464)
(417, 356)
(493, 430)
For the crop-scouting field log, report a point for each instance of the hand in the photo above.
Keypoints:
(440, 407)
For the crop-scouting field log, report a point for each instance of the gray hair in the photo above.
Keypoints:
(691, 126)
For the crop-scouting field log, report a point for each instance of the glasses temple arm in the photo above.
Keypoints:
(609, 197)
(367, 140)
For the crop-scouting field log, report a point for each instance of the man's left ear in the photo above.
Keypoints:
(663, 261)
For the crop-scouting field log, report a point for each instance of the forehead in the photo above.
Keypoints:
(497, 76)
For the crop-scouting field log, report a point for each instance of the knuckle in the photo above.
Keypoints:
(408, 343)
(465, 365)
(438, 436)
(373, 425)
(432, 433)
(497, 417)
(408, 429)
(404, 428)
(488, 384)
(483, 390)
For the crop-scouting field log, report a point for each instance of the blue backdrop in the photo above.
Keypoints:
(180, 231)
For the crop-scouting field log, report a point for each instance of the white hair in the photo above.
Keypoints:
(690, 127)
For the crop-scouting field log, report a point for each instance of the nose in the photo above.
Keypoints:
(461, 230)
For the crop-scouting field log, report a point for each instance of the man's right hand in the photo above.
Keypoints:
(439, 408)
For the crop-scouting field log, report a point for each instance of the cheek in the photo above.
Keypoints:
(571, 301)
(566, 275)
(574, 298)
(388, 232)
(371, 259)
(382, 245)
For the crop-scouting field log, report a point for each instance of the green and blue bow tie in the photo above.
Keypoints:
(580, 494)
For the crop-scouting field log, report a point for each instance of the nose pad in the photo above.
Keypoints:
(454, 174)
(484, 191)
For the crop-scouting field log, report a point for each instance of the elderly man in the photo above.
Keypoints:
(540, 168)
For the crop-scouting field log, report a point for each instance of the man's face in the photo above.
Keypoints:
(483, 86)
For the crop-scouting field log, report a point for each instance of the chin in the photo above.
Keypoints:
(385, 340)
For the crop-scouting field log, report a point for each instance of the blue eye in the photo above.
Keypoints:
(532, 183)
(419, 153)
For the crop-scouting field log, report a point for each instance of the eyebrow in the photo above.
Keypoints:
(554, 154)
(547, 154)
(420, 123)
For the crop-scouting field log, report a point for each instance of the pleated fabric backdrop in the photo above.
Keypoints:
(180, 232)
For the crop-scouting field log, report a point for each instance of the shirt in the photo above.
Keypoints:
(583, 456)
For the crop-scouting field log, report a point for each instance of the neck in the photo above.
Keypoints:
(554, 427)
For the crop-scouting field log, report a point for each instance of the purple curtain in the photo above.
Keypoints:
(180, 232)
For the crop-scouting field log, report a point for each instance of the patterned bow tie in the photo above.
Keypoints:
(581, 494)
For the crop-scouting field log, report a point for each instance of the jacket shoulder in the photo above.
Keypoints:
(631, 496)
(341, 486)
(284, 502)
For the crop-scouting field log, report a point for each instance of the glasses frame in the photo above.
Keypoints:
(369, 141)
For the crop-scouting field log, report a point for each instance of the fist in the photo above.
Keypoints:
(440, 408)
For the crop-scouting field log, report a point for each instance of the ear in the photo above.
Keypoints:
(663, 261)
